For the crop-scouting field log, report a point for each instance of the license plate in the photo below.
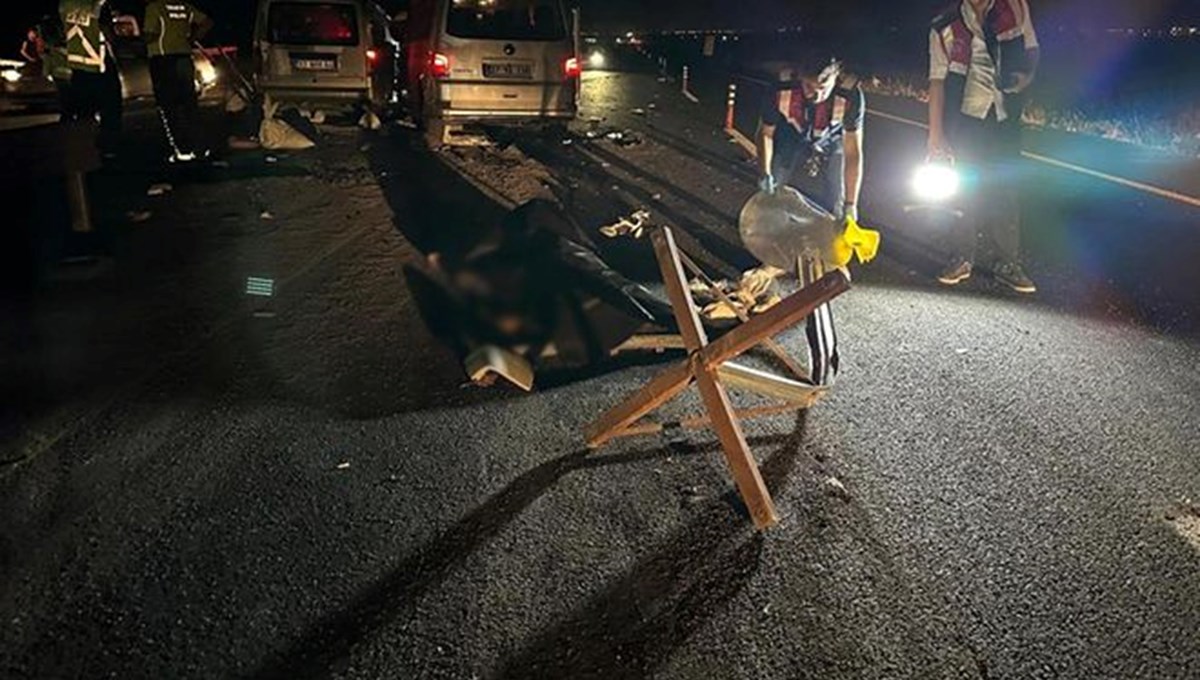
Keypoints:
(315, 64)
(523, 71)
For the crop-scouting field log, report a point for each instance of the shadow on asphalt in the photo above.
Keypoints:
(705, 565)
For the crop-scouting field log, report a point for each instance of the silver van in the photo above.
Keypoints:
(325, 53)
(503, 61)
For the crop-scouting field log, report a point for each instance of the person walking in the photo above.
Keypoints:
(983, 56)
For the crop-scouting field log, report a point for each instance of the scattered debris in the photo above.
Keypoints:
(343, 466)
(159, 189)
(754, 294)
(266, 215)
(243, 144)
(271, 159)
(370, 121)
(961, 351)
(138, 216)
(835, 488)
(407, 124)
(220, 164)
(638, 112)
(634, 225)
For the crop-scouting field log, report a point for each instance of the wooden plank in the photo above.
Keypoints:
(702, 422)
(741, 462)
(663, 388)
(686, 314)
(770, 344)
(765, 384)
(650, 343)
(782, 316)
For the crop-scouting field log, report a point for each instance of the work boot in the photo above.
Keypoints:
(957, 271)
(1012, 275)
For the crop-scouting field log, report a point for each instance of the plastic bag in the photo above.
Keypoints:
(277, 135)
(780, 228)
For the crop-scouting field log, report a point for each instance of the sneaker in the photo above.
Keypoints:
(1012, 275)
(956, 272)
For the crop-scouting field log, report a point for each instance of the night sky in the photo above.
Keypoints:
(622, 15)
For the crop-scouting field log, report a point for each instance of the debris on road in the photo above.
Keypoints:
(343, 466)
(633, 225)
(138, 216)
(161, 189)
(286, 130)
(835, 488)
(370, 121)
(266, 215)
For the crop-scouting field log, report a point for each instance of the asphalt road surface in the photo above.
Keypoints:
(205, 484)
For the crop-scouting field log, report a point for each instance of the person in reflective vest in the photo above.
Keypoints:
(811, 131)
(810, 138)
(171, 28)
(983, 58)
(95, 83)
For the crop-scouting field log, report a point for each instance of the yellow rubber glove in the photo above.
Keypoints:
(855, 241)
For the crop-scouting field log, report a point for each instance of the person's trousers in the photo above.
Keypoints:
(89, 94)
(820, 177)
(989, 154)
(174, 77)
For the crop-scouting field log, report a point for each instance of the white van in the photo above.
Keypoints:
(325, 52)
(503, 61)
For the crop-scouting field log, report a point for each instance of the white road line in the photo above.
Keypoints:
(1132, 184)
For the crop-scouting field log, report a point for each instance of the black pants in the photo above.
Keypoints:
(88, 94)
(989, 155)
(174, 77)
(820, 177)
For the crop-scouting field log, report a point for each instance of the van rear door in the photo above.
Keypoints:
(315, 45)
(506, 57)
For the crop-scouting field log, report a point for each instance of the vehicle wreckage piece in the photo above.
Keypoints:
(529, 294)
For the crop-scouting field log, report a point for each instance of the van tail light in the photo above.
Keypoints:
(372, 58)
(572, 68)
(439, 66)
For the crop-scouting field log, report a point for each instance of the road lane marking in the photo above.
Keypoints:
(1054, 162)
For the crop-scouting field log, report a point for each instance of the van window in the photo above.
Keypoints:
(507, 20)
(301, 23)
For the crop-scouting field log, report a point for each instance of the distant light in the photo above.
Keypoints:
(597, 60)
(935, 182)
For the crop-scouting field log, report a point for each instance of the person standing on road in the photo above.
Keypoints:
(811, 138)
(171, 28)
(983, 57)
(33, 49)
(95, 83)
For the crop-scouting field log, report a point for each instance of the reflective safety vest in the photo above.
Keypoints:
(1004, 33)
(168, 27)
(1003, 29)
(822, 125)
(82, 34)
